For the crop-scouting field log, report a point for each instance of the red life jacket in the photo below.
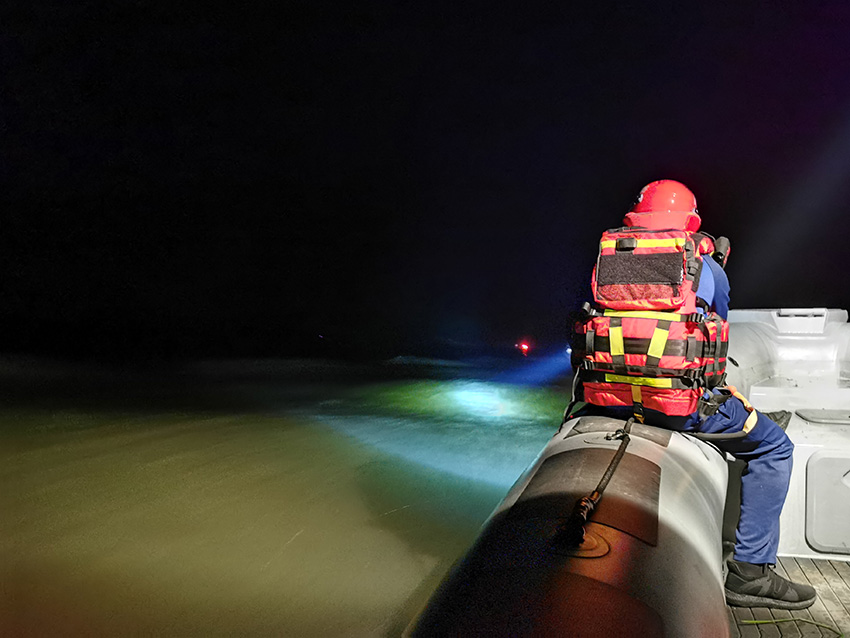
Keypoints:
(645, 344)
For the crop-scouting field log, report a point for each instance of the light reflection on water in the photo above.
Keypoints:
(330, 510)
(479, 431)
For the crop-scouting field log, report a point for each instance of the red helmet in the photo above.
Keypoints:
(665, 204)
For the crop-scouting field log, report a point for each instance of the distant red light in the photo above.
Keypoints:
(523, 347)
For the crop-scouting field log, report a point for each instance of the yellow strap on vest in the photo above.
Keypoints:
(615, 339)
(637, 401)
(658, 342)
(638, 381)
(647, 314)
(677, 242)
(636, 394)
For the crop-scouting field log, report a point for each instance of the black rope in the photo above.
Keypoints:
(572, 532)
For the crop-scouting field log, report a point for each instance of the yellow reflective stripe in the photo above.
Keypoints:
(741, 397)
(615, 338)
(646, 314)
(655, 383)
(750, 423)
(658, 343)
(753, 417)
(637, 401)
(677, 242)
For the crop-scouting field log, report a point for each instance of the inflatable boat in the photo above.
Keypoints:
(617, 528)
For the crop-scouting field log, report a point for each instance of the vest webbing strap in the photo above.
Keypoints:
(689, 349)
(637, 403)
(657, 344)
(618, 349)
(671, 242)
(653, 314)
(659, 382)
(639, 375)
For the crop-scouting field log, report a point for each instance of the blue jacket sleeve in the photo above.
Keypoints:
(719, 301)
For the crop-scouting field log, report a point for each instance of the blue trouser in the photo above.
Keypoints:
(764, 483)
(768, 453)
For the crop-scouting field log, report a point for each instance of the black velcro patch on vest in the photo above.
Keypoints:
(628, 268)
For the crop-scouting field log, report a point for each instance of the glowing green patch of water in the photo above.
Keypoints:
(466, 398)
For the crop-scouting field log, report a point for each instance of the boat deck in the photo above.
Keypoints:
(831, 610)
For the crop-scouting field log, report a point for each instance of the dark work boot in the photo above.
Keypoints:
(780, 417)
(750, 585)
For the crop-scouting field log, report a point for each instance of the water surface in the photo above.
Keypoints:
(260, 498)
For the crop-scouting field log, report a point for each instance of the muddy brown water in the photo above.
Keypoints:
(219, 502)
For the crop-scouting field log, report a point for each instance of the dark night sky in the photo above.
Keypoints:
(176, 181)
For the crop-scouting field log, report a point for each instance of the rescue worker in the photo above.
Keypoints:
(767, 450)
